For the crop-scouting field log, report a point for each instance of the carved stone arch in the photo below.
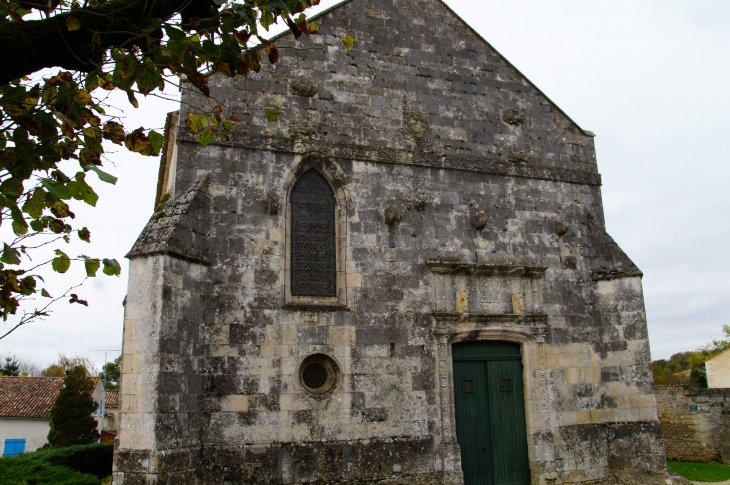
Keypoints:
(328, 167)
(337, 180)
(518, 336)
(535, 383)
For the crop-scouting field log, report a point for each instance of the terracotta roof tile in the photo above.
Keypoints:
(28, 397)
(112, 398)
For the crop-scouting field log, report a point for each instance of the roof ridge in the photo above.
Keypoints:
(33, 377)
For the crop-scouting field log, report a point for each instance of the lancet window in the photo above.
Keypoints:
(313, 246)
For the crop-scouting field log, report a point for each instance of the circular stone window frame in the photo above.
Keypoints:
(331, 368)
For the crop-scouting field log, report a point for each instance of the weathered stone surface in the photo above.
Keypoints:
(694, 422)
(435, 124)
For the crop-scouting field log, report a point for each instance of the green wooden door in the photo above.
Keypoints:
(490, 413)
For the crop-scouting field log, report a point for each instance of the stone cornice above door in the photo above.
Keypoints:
(489, 270)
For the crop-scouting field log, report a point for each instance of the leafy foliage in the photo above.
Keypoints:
(71, 419)
(674, 372)
(53, 130)
(111, 373)
(64, 363)
(55, 466)
(95, 459)
(10, 368)
(25, 366)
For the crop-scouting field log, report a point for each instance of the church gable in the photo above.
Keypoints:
(419, 84)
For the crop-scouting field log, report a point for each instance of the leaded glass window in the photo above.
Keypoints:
(313, 247)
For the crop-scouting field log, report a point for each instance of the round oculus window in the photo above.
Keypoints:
(318, 374)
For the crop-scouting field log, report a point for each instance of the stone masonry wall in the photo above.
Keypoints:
(692, 435)
(423, 133)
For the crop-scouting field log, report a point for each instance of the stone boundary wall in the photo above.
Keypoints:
(692, 421)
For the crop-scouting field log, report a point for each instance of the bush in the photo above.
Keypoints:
(27, 470)
(92, 459)
(75, 465)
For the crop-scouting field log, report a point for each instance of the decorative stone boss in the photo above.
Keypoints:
(404, 279)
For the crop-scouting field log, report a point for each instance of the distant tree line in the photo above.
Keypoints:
(687, 368)
(12, 365)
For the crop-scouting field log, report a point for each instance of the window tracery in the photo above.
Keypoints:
(313, 247)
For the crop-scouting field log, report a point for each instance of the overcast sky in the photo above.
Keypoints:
(649, 77)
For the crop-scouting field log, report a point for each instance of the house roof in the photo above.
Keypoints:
(28, 397)
(112, 398)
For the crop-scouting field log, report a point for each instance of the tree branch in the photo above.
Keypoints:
(48, 43)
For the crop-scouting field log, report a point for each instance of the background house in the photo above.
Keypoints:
(25, 411)
(718, 370)
(111, 410)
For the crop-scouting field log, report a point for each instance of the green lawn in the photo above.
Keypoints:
(700, 472)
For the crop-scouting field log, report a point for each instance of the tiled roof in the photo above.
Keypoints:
(28, 397)
(112, 398)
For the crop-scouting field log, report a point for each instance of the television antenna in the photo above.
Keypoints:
(106, 352)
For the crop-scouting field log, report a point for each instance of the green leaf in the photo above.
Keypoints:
(72, 23)
(155, 142)
(45, 294)
(80, 190)
(56, 188)
(196, 122)
(349, 42)
(173, 33)
(37, 225)
(103, 176)
(93, 145)
(272, 114)
(211, 49)
(19, 229)
(10, 255)
(12, 188)
(111, 267)
(91, 82)
(85, 234)
(227, 125)
(92, 266)
(35, 204)
(206, 137)
(61, 262)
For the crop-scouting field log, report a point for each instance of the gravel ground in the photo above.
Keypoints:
(726, 482)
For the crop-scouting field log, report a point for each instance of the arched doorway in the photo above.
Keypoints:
(490, 413)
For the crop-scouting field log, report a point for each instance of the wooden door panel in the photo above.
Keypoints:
(472, 423)
(490, 413)
(507, 418)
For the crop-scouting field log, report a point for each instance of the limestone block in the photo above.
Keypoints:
(341, 335)
(234, 403)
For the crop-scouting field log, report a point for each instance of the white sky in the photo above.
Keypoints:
(648, 77)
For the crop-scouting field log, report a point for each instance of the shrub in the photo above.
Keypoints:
(74, 465)
(71, 419)
(91, 459)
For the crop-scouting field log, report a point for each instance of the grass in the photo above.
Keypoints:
(62, 466)
(700, 472)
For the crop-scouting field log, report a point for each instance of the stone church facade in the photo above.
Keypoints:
(406, 278)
